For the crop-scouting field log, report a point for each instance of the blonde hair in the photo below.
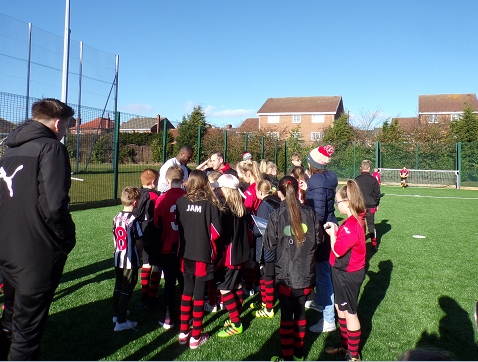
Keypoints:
(366, 165)
(199, 188)
(129, 195)
(264, 186)
(351, 192)
(175, 172)
(295, 156)
(148, 176)
(298, 173)
(234, 201)
(289, 186)
(214, 175)
(266, 165)
(251, 167)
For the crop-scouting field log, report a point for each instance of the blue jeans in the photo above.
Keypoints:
(324, 295)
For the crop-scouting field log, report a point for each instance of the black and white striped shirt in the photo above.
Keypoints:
(126, 230)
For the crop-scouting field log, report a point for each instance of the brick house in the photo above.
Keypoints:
(146, 125)
(442, 108)
(103, 125)
(313, 114)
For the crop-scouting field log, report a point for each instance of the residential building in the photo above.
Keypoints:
(146, 125)
(312, 114)
(442, 108)
(100, 124)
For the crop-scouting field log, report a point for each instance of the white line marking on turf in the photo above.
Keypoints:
(436, 197)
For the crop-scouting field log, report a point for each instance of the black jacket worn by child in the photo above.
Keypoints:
(294, 265)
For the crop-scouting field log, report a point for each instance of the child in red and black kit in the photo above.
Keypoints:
(144, 212)
(199, 221)
(293, 232)
(165, 219)
(347, 259)
(235, 245)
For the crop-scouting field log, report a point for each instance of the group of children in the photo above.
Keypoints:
(204, 238)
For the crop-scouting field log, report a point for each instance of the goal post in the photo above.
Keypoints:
(430, 178)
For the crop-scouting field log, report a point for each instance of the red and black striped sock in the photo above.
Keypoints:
(299, 334)
(198, 313)
(232, 307)
(354, 342)
(286, 332)
(263, 291)
(186, 306)
(343, 332)
(145, 276)
(270, 295)
(374, 241)
(155, 280)
(239, 295)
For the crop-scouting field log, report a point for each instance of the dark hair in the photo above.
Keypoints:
(186, 148)
(199, 188)
(219, 154)
(50, 108)
(289, 187)
(314, 170)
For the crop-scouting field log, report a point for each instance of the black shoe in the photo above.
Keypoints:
(153, 304)
(374, 248)
(142, 302)
(349, 357)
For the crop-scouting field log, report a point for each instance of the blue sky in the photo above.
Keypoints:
(230, 56)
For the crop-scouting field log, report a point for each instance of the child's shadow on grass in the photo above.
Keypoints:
(456, 333)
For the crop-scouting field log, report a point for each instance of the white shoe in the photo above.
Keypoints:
(323, 326)
(210, 308)
(115, 318)
(311, 304)
(126, 325)
(247, 292)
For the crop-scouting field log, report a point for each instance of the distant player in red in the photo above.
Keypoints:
(165, 219)
(347, 258)
(376, 174)
(403, 177)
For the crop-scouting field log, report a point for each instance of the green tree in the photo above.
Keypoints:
(340, 130)
(188, 129)
(465, 127)
(391, 132)
(157, 147)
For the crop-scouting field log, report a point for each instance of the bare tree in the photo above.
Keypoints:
(367, 120)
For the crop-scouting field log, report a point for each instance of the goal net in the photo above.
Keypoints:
(433, 178)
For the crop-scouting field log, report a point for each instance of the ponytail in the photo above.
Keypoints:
(289, 186)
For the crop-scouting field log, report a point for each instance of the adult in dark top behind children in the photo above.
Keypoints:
(37, 229)
(371, 193)
(320, 195)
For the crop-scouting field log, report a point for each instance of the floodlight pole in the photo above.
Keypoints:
(29, 67)
(66, 54)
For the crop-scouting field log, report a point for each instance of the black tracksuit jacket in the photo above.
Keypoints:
(37, 231)
(370, 189)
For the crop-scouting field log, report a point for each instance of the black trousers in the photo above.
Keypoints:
(172, 272)
(25, 317)
(126, 280)
(370, 220)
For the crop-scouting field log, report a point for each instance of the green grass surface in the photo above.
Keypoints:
(417, 293)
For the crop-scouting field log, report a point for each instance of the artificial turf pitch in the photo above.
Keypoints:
(418, 293)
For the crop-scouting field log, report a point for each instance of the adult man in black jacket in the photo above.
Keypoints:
(37, 231)
(371, 194)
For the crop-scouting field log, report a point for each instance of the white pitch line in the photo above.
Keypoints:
(437, 197)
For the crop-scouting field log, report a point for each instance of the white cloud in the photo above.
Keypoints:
(228, 113)
(137, 108)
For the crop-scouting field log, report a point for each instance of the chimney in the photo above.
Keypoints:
(158, 120)
(229, 126)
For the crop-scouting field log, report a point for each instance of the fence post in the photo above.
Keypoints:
(199, 145)
(275, 153)
(262, 149)
(79, 108)
(377, 154)
(115, 155)
(354, 159)
(28, 68)
(245, 143)
(416, 156)
(458, 161)
(285, 158)
(165, 139)
(225, 146)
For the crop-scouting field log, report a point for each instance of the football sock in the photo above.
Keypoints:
(299, 334)
(263, 291)
(286, 332)
(270, 295)
(354, 342)
(231, 305)
(198, 313)
(343, 332)
(145, 276)
(186, 304)
(239, 296)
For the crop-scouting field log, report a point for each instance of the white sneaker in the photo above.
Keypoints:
(311, 304)
(210, 308)
(126, 325)
(323, 326)
(115, 318)
(247, 292)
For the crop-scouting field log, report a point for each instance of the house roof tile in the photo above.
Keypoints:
(301, 104)
(140, 123)
(407, 123)
(249, 125)
(442, 103)
(105, 124)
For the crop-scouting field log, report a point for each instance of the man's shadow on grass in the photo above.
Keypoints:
(456, 333)
(373, 294)
(87, 270)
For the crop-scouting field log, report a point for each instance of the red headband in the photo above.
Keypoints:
(288, 182)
